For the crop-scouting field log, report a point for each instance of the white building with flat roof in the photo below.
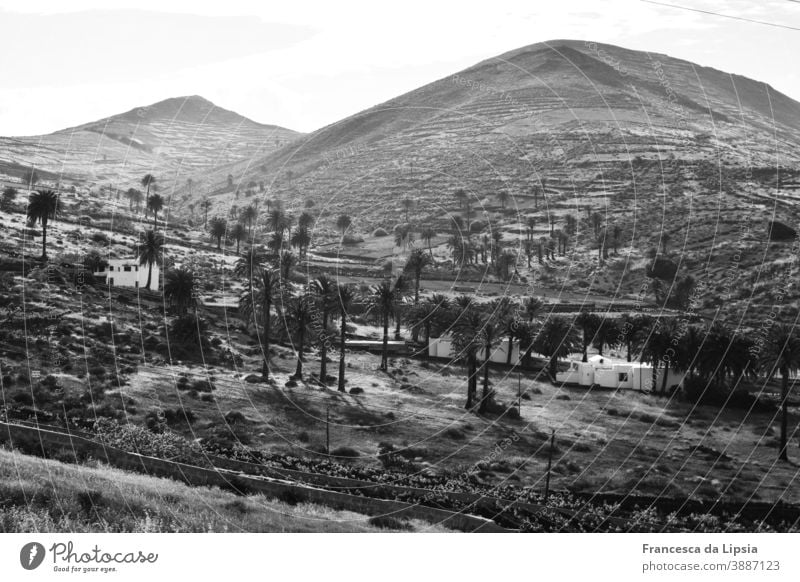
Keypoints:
(129, 273)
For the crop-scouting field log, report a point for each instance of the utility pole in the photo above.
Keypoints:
(549, 465)
(328, 428)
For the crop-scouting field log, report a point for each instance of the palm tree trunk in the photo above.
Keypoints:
(471, 378)
(664, 379)
(416, 289)
(155, 219)
(553, 367)
(298, 373)
(654, 376)
(784, 454)
(341, 352)
(427, 340)
(385, 350)
(323, 366)
(149, 275)
(44, 241)
(585, 349)
(510, 348)
(265, 369)
(485, 394)
(628, 345)
(397, 328)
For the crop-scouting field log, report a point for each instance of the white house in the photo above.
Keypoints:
(128, 273)
(609, 373)
(442, 347)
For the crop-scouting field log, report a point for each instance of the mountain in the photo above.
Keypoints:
(571, 113)
(172, 139)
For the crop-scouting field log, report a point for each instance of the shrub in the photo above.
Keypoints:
(389, 522)
(379, 232)
(356, 390)
(235, 417)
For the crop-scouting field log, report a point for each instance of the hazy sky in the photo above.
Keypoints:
(303, 65)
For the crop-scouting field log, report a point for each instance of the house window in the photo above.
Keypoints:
(111, 268)
(136, 269)
(111, 281)
(136, 283)
(127, 268)
(623, 377)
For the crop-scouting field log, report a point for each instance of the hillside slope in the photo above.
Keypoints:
(172, 139)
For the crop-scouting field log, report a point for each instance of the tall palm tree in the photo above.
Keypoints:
(268, 289)
(249, 215)
(607, 334)
(401, 289)
(205, 205)
(179, 289)
(151, 252)
(299, 316)
(418, 261)
(301, 239)
(557, 339)
(466, 344)
(238, 233)
(782, 354)
(147, 181)
(489, 336)
(218, 230)
(305, 220)
(155, 203)
(408, 204)
(42, 206)
(427, 234)
(382, 300)
(247, 267)
(346, 295)
(326, 289)
(588, 323)
(287, 261)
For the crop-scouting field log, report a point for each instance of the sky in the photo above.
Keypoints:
(304, 65)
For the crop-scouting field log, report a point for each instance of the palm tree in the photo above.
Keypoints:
(460, 196)
(219, 228)
(782, 355)
(301, 239)
(286, 261)
(249, 215)
(42, 206)
(343, 223)
(346, 296)
(417, 262)
(382, 299)
(247, 266)
(502, 198)
(238, 233)
(205, 205)
(155, 203)
(607, 334)
(147, 181)
(179, 289)
(326, 290)
(466, 333)
(299, 316)
(490, 335)
(588, 323)
(134, 197)
(305, 220)
(277, 220)
(408, 204)
(631, 331)
(557, 339)
(151, 252)
(268, 289)
(427, 234)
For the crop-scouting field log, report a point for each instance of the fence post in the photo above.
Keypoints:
(549, 465)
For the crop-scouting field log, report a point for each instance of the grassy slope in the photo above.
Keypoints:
(44, 495)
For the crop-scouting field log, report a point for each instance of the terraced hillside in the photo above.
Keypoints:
(173, 139)
(685, 160)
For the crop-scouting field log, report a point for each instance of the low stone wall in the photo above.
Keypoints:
(227, 478)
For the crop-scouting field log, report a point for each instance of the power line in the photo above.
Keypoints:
(741, 18)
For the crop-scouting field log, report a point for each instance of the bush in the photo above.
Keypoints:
(356, 390)
(389, 522)
(235, 417)
(379, 232)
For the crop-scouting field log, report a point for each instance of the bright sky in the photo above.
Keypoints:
(304, 65)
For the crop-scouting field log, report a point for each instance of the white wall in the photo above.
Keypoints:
(135, 276)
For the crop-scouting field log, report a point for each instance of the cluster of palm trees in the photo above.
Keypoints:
(280, 223)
